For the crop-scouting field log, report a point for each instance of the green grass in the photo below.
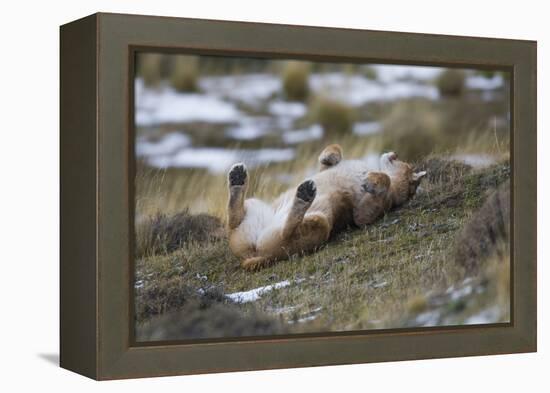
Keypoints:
(378, 277)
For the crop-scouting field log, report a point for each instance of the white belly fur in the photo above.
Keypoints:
(262, 219)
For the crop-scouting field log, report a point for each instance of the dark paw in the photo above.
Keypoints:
(306, 191)
(237, 175)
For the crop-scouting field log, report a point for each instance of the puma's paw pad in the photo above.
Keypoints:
(306, 191)
(237, 175)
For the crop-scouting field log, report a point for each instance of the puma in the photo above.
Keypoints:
(344, 192)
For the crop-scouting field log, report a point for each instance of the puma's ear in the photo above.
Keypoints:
(419, 175)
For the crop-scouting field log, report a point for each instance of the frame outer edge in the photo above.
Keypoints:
(78, 203)
(119, 359)
(527, 107)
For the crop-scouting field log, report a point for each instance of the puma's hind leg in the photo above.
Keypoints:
(238, 184)
(305, 194)
(330, 156)
(275, 241)
(312, 233)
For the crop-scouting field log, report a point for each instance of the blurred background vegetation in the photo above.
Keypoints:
(197, 115)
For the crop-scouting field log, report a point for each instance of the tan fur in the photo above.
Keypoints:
(302, 219)
(330, 156)
(235, 206)
(404, 181)
(373, 203)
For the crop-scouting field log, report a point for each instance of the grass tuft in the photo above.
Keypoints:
(451, 83)
(296, 80)
(335, 117)
(166, 233)
(175, 310)
(149, 68)
(442, 171)
(369, 72)
(216, 321)
(488, 228)
(185, 73)
(415, 134)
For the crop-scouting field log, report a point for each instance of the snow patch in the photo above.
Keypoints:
(357, 90)
(165, 105)
(489, 315)
(367, 128)
(298, 136)
(461, 293)
(474, 160)
(168, 144)
(429, 318)
(256, 293)
(218, 160)
(287, 109)
(392, 73)
(250, 128)
(250, 89)
(478, 82)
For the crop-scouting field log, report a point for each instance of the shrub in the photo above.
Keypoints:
(171, 309)
(164, 234)
(487, 73)
(160, 296)
(488, 231)
(217, 320)
(185, 72)
(450, 83)
(369, 72)
(296, 80)
(149, 68)
(334, 116)
(443, 171)
(411, 129)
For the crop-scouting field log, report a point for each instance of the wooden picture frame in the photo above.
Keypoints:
(96, 195)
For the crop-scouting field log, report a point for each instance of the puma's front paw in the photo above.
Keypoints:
(237, 175)
(368, 187)
(376, 183)
(307, 191)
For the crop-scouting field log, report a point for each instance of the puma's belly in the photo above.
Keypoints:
(337, 190)
(259, 216)
(347, 176)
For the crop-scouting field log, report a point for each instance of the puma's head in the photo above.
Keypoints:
(377, 183)
(390, 164)
(414, 182)
(402, 173)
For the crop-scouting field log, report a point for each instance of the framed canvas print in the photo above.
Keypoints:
(241, 196)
